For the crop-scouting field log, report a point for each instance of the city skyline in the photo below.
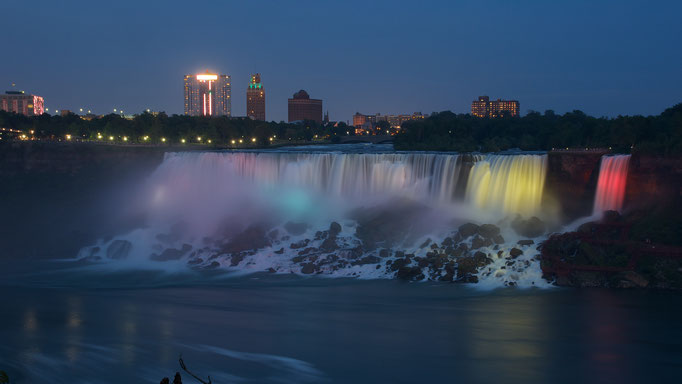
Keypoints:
(581, 60)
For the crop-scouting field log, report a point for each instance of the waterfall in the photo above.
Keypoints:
(275, 211)
(508, 184)
(424, 177)
(613, 173)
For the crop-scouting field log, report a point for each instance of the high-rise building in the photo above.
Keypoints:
(302, 107)
(207, 94)
(483, 107)
(255, 99)
(20, 102)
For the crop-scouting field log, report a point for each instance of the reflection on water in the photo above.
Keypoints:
(274, 330)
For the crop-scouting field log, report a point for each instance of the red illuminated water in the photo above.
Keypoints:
(613, 174)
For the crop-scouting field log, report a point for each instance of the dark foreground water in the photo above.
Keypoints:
(268, 329)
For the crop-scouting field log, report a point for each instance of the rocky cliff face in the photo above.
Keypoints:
(653, 181)
(572, 181)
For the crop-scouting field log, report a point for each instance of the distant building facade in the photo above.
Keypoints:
(302, 107)
(483, 107)
(208, 94)
(22, 103)
(255, 99)
(394, 121)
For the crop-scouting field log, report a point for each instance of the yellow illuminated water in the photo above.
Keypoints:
(508, 184)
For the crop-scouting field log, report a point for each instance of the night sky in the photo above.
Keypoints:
(603, 57)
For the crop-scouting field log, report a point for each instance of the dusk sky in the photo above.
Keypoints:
(603, 57)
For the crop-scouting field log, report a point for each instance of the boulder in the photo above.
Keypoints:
(447, 242)
(329, 245)
(515, 252)
(532, 227)
(488, 231)
(479, 242)
(468, 229)
(410, 274)
(299, 244)
(498, 239)
(334, 229)
(252, 238)
(308, 268)
(587, 228)
(470, 265)
(525, 242)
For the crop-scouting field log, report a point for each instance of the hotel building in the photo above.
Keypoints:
(21, 103)
(483, 107)
(207, 94)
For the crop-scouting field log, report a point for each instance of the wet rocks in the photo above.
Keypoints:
(334, 229)
(309, 268)
(367, 260)
(631, 279)
(468, 266)
(468, 229)
(525, 242)
(488, 231)
(498, 239)
(300, 244)
(515, 252)
(119, 249)
(479, 242)
(410, 273)
(236, 259)
(329, 245)
(532, 227)
(171, 253)
(252, 238)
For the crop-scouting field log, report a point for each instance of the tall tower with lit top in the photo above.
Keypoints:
(255, 98)
(208, 94)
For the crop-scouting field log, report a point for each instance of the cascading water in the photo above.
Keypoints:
(508, 184)
(340, 214)
(613, 174)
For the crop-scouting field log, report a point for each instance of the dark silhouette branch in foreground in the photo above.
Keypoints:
(184, 368)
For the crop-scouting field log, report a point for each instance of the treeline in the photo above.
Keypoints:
(163, 129)
(447, 131)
